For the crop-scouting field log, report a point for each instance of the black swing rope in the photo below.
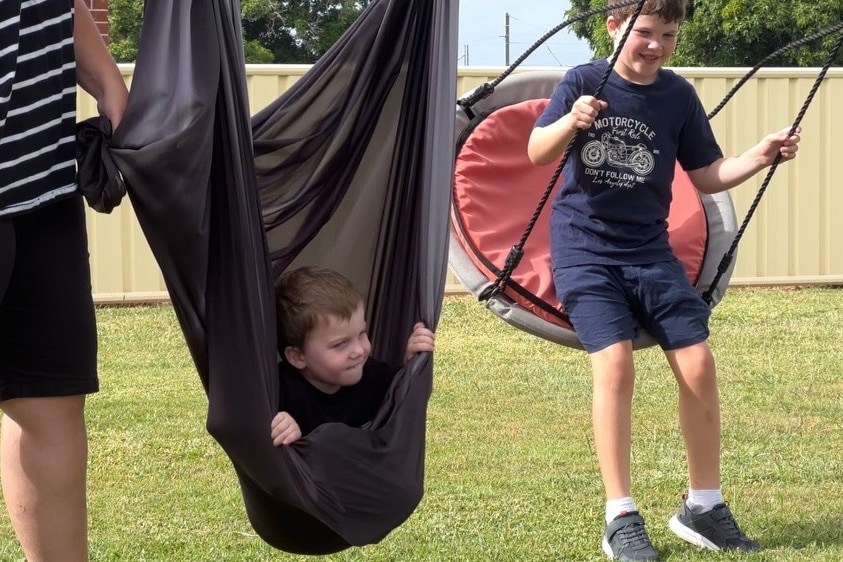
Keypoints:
(517, 251)
(485, 90)
(730, 254)
(778, 52)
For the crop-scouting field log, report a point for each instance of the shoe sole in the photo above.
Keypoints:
(607, 549)
(689, 535)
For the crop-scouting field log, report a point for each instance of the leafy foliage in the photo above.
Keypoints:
(254, 52)
(274, 31)
(299, 31)
(736, 32)
(124, 25)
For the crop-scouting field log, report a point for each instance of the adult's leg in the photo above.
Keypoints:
(43, 461)
(47, 366)
(614, 380)
(699, 412)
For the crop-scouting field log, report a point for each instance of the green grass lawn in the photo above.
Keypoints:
(511, 469)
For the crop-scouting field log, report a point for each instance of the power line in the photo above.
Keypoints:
(554, 56)
(508, 42)
(563, 44)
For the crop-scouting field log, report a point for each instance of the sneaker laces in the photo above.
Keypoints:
(729, 525)
(634, 536)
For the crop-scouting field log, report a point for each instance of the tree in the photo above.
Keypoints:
(279, 31)
(735, 32)
(124, 24)
(299, 31)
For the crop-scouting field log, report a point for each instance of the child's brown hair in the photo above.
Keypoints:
(308, 295)
(668, 10)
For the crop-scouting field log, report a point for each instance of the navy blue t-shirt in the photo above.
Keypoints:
(615, 198)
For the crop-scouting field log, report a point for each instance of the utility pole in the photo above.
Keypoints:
(464, 57)
(506, 38)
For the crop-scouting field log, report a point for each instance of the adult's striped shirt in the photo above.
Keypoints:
(37, 104)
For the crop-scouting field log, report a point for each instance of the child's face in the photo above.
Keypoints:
(647, 48)
(334, 352)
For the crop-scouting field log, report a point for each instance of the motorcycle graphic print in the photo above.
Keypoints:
(618, 154)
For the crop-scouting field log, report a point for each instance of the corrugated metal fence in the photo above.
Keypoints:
(795, 236)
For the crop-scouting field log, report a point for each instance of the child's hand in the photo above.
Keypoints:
(285, 430)
(778, 143)
(585, 110)
(420, 340)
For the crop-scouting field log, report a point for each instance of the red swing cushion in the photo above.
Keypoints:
(497, 189)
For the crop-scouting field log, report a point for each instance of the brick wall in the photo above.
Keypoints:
(99, 11)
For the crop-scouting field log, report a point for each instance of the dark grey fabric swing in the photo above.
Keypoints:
(354, 165)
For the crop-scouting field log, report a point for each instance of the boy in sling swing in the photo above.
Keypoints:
(327, 374)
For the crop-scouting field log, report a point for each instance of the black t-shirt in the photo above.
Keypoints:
(353, 405)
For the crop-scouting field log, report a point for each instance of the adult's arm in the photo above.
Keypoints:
(96, 70)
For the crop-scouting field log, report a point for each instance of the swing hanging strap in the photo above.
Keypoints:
(724, 264)
(772, 56)
(487, 89)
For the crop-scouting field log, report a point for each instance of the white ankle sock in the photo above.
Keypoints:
(701, 501)
(618, 506)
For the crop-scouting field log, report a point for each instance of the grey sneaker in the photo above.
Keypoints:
(715, 529)
(626, 539)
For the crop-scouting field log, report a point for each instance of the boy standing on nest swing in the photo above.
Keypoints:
(614, 269)
(327, 374)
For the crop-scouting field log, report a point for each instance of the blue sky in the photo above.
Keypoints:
(482, 28)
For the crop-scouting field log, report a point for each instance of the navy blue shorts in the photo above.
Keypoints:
(608, 304)
(48, 337)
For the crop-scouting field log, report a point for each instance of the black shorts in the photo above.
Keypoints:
(48, 335)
